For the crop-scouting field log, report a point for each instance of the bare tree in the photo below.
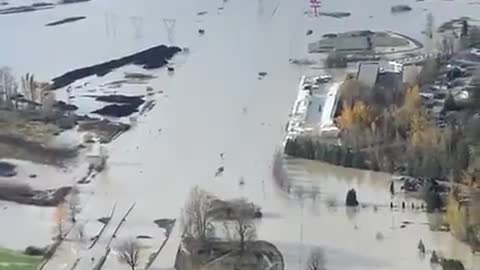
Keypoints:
(129, 253)
(8, 85)
(197, 219)
(316, 261)
(244, 228)
(33, 90)
(447, 46)
(73, 204)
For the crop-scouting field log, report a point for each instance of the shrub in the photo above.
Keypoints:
(452, 264)
(351, 198)
(34, 251)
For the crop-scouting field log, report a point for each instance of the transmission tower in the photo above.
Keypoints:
(170, 28)
(137, 26)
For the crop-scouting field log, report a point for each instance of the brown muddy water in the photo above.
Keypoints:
(201, 114)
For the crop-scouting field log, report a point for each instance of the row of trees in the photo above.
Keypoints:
(390, 139)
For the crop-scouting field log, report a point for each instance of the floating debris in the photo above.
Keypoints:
(262, 73)
(434, 258)
(201, 31)
(219, 171)
(421, 247)
(144, 237)
(337, 15)
(139, 76)
(400, 8)
(201, 13)
(309, 32)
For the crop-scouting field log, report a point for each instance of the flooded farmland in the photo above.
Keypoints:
(177, 145)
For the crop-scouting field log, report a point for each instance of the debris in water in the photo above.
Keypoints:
(104, 220)
(219, 171)
(392, 188)
(434, 258)
(379, 236)
(421, 246)
(400, 8)
(244, 110)
(221, 155)
(32, 175)
(201, 31)
(337, 15)
(201, 13)
(170, 69)
(309, 32)
(262, 73)
(138, 76)
(241, 182)
(403, 205)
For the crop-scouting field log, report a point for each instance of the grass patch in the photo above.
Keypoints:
(12, 260)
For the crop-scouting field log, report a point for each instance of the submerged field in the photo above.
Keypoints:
(12, 260)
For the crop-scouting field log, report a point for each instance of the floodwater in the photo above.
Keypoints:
(178, 144)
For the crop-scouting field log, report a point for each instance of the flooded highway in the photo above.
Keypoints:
(177, 145)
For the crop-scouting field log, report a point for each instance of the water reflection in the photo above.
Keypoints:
(372, 235)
